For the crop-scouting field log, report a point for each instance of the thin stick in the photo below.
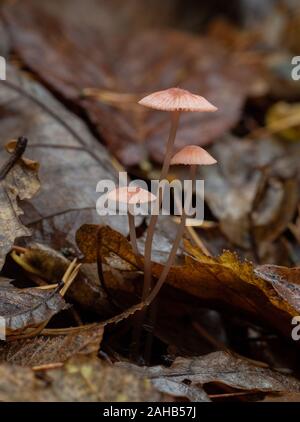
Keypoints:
(70, 280)
(67, 330)
(238, 394)
(19, 249)
(15, 156)
(67, 279)
(47, 366)
(69, 270)
(196, 238)
(47, 287)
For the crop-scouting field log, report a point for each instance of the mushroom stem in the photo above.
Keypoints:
(170, 260)
(153, 220)
(172, 256)
(193, 173)
(174, 125)
(153, 311)
(132, 234)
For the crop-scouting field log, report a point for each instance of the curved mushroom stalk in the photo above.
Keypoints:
(132, 233)
(193, 156)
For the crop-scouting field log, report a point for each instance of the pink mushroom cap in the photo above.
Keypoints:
(131, 195)
(193, 155)
(177, 99)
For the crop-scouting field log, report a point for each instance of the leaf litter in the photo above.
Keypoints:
(214, 306)
(18, 179)
(112, 71)
(219, 367)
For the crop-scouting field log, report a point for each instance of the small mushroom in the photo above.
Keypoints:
(193, 156)
(128, 197)
(174, 100)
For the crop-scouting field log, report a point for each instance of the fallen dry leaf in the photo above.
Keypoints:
(89, 295)
(283, 119)
(173, 58)
(222, 368)
(223, 282)
(43, 261)
(176, 389)
(276, 273)
(49, 266)
(253, 191)
(27, 308)
(18, 180)
(52, 348)
(286, 282)
(71, 161)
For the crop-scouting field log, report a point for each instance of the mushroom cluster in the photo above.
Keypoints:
(176, 101)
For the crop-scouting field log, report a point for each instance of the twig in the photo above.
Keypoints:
(68, 330)
(47, 366)
(240, 393)
(19, 249)
(196, 238)
(69, 276)
(67, 280)
(15, 156)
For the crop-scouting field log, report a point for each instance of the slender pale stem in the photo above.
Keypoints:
(170, 260)
(133, 240)
(169, 151)
(153, 311)
(153, 218)
(132, 233)
(175, 246)
(192, 177)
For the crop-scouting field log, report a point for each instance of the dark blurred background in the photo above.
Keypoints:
(191, 15)
(278, 20)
